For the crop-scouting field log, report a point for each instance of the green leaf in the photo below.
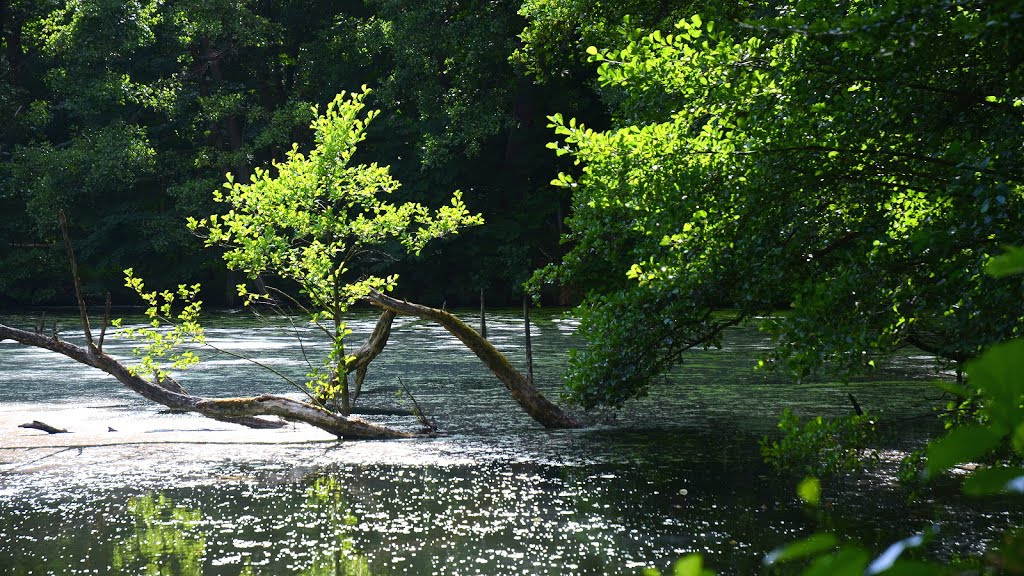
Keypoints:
(958, 390)
(690, 565)
(810, 546)
(848, 561)
(995, 480)
(809, 490)
(1011, 262)
(962, 444)
(999, 373)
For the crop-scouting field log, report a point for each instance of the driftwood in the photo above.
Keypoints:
(370, 349)
(37, 425)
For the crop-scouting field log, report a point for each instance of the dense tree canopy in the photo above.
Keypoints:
(857, 164)
(841, 173)
(127, 115)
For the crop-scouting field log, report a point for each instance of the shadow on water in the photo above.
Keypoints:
(675, 472)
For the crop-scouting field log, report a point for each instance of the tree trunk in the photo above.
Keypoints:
(370, 349)
(483, 316)
(523, 392)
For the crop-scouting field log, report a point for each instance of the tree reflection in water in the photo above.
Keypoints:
(168, 539)
(327, 495)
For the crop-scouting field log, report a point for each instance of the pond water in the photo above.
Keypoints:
(134, 489)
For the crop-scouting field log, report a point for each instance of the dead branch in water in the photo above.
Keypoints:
(37, 425)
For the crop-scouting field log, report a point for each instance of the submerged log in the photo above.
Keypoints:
(37, 425)
(523, 391)
(341, 426)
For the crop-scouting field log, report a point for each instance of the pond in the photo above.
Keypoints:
(134, 489)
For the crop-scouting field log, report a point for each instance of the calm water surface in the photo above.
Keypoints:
(136, 490)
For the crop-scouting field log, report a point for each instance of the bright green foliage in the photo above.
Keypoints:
(857, 163)
(813, 544)
(820, 445)
(318, 219)
(997, 376)
(962, 444)
(558, 31)
(809, 490)
(689, 565)
(168, 330)
(1012, 262)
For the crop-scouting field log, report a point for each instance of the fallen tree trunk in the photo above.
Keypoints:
(244, 411)
(523, 391)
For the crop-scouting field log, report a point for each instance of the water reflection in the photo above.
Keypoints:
(338, 558)
(165, 539)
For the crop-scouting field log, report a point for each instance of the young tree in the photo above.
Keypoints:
(320, 220)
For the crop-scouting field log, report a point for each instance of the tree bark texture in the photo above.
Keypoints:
(370, 349)
(523, 392)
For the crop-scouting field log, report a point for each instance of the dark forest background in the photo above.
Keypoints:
(127, 115)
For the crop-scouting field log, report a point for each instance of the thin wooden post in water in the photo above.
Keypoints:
(483, 316)
(529, 345)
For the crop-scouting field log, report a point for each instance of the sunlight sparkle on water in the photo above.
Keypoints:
(675, 472)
